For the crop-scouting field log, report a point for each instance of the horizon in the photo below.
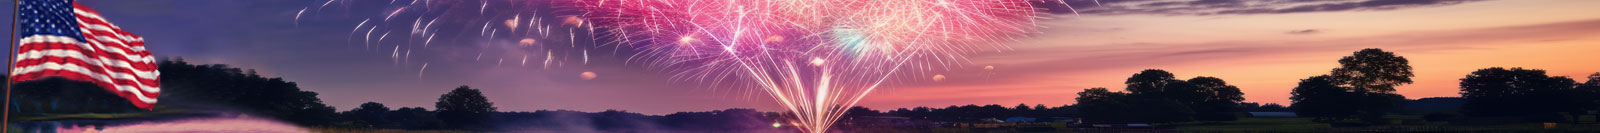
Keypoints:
(1263, 53)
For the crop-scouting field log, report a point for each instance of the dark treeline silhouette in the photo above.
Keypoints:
(1258, 107)
(1156, 96)
(1528, 93)
(196, 87)
(967, 113)
(187, 88)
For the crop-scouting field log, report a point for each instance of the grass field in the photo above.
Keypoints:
(1254, 124)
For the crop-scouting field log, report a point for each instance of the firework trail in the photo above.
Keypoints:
(816, 58)
(504, 29)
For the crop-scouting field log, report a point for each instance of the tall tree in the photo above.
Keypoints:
(1151, 82)
(464, 108)
(1514, 92)
(1371, 75)
(1373, 70)
(1220, 99)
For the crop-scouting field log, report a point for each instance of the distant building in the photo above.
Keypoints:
(1273, 114)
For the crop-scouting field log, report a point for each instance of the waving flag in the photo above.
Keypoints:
(64, 39)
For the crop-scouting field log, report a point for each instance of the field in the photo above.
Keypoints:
(1254, 124)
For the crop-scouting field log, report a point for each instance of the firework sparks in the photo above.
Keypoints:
(816, 58)
(846, 51)
(414, 26)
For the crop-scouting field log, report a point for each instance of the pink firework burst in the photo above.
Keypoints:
(814, 57)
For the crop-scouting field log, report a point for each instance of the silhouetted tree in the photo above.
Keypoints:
(1373, 70)
(1161, 111)
(992, 111)
(1374, 106)
(1219, 102)
(1515, 92)
(858, 112)
(1258, 107)
(1586, 97)
(1021, 110)
(1040, 110)
(216, 86)
(1202, 98)
(1319, 97)
(858, 116)
(1273, 107)
(1370, 76)
(314, 115)
(1153, 82)
(370, 114)
(464, 108)
(1153, 92)
(1434, 104)
(1099, 105)
(730, 119)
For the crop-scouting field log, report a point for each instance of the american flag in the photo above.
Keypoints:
(64, 39)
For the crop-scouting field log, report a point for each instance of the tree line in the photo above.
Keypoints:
(1361, 90)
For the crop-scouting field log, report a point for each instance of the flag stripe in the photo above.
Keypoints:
(74, 45)
(112, 72)
(113, 50)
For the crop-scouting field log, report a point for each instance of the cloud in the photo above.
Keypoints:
(1304, 32)
(1233, 7)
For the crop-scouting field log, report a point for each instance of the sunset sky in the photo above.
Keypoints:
(1262, 46)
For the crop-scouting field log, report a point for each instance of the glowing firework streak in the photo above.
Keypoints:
(414, 26)
(847, 48)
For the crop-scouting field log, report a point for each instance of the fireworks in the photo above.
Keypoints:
(514, 30)
(814, 57)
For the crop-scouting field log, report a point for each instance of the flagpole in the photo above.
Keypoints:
(11, 60)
